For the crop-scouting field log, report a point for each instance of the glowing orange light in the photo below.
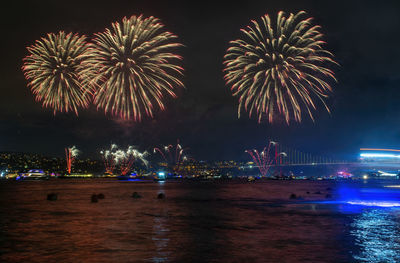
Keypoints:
(376, 149)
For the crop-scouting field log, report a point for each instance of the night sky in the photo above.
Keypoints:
(363, 35)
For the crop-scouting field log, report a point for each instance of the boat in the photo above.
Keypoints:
(129, 177)
(34, 174)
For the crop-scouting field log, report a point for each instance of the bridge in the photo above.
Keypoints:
(278, 155)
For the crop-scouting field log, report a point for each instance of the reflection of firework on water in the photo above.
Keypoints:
(277, 69)
(264, 159)
(108, 158)
(172, 155)
(126, 159)
(70, 154)
(53, 71)
(132, 67)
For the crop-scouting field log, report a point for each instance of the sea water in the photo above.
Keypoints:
(199, 221)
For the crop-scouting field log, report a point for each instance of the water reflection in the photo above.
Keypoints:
(374, 209)
(198, 222)
(377, 235)
(160, 231)
(205, 223)
(160, 239)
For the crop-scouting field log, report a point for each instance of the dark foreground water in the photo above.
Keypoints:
(199, 222)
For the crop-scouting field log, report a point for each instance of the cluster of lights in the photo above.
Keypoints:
(80, 175)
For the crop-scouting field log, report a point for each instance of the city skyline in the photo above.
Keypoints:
(204, 116)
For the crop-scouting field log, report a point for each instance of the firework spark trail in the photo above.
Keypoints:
(278, 69)
(172, 155)
(161, 153)
(263, 159)
(53, 69)
(168, 150)
(126, 159)
(70, 153)
(108, 158)
(178, 152)
(132, 68)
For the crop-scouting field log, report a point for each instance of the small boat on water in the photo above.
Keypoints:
(123, 177)
(129, 177)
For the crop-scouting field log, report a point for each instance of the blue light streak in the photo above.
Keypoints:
(379, 155)
(374, 203)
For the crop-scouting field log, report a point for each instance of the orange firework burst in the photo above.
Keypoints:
(53, 71)
(132, 68)
(279, 70)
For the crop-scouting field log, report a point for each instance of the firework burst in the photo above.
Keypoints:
(278, 69)
(53, 71)
(172, 155)
(70, 154)
(132, 68)
(267, 157)
(126, 159)
(108, 158)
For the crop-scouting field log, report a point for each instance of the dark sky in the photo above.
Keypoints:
(363, 35)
